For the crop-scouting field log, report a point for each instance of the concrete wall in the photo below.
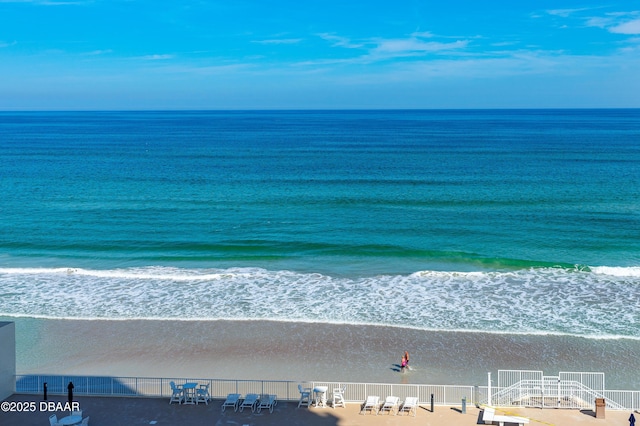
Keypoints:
(7, 359)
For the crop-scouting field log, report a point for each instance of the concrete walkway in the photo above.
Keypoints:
(110, 411)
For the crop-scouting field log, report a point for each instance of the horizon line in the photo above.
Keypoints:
(315, 109)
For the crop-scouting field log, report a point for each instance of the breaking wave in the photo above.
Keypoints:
(595, 302)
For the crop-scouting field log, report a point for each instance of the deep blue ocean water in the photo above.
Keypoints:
(408, 218)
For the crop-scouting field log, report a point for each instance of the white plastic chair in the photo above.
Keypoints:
(390, 404)
(268, 402)
(53, 420)
(305, 396)
(202, 394)
(85, 421)
(372, 404)
(233, 400)
(176, 393)
(77, 413)
(409, 405)
(338, 397)
(250, 401)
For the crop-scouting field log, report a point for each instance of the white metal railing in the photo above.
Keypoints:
(553, 394)
(577, 395)
(220, 388)
(566, 390)
(615, 399)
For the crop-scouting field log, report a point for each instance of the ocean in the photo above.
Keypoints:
(501, 221)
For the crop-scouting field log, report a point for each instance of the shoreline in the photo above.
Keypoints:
(13, 318)
(271, 350)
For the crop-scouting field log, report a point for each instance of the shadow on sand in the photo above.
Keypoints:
(116, 411)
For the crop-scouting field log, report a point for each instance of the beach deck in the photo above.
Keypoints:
(110, 411)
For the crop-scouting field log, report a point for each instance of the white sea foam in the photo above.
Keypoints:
(536, 301)
(617, 271)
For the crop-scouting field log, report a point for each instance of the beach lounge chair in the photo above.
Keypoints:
(372, 404)
(53, 420)
(233, 400)
(305, 396)
(250, 401)
(176, 393)
(390, 404)
(338, 397)
(202, 394)
(268, 402)
(410, 405)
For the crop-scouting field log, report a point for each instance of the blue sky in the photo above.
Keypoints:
(245, 54)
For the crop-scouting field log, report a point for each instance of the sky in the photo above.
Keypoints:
(329, 54)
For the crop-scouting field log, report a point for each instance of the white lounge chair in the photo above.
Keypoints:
(410, 405)
(250, 401)
(268, 402)
(338, 397)
(372, 404)
(305, 396)
(390, 404)
(176, 393)
(202, 394)
(233, 400)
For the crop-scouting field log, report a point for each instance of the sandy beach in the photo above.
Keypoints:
(305, 351)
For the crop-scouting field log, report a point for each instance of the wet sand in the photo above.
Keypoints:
(302, 351)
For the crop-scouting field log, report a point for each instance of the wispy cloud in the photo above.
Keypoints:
(611, 20)
(565, 13)
(505, 43)
(156, 57)
(599, 21)
(616, 22)
(99, 52)
(422, 34)
(377, 49)
(7, 44)
(338, 41)
(279, 41)
(629, 27)
(203, 70)
(412, 46)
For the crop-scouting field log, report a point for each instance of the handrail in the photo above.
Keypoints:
(447, 395)
(535, 388)
(220, 388)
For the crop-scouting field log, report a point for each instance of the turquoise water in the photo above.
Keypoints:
(408, 218)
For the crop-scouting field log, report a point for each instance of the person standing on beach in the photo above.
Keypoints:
(403, 364)
(70, 392)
